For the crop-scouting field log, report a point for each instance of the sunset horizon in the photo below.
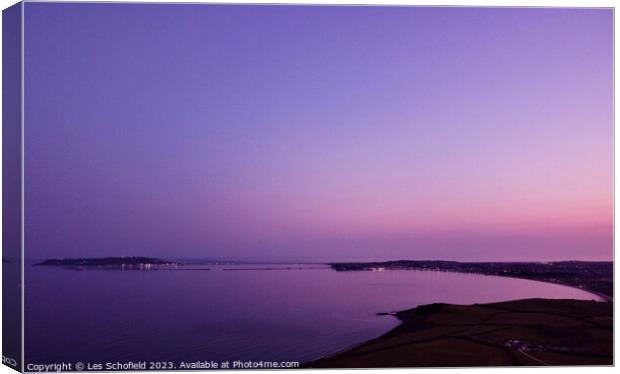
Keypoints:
(270, 151)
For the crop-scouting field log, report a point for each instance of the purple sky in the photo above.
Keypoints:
(262, 131)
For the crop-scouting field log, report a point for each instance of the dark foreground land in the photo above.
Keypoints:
(528, 332)
(593, 276)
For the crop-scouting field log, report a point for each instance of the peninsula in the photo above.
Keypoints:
(130, 263)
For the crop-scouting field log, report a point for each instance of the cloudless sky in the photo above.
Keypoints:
(305, 131)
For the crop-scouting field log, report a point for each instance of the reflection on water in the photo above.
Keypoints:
(236, 312)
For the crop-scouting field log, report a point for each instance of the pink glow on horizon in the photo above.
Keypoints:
(456, 133)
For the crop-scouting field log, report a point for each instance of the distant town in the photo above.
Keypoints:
(593, 276)
(128, 263)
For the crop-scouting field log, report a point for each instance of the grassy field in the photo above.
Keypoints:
(528, 332)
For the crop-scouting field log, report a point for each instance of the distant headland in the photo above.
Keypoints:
(108, 262)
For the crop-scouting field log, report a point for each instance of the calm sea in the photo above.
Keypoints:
(251, 314)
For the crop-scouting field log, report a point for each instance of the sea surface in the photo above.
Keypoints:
(259, 312)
